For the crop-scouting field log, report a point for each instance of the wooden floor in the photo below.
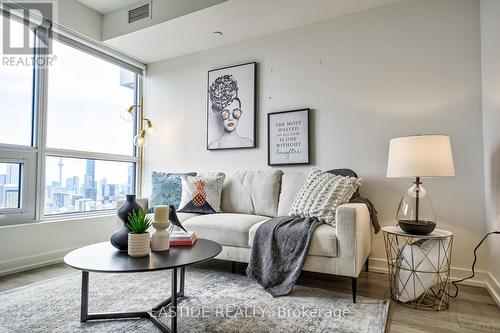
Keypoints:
(474, 310)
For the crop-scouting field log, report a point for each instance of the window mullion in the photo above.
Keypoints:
(89, 155)
(40, 115)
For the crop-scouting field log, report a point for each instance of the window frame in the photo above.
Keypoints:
(33, 157)
(26, 158)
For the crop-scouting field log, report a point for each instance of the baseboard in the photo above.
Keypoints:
(481, 279)
(31, 262)
(493, 286)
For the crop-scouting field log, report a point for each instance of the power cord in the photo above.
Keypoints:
(473, 265)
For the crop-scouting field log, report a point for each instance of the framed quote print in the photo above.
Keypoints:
(288, 137)
(231, 107)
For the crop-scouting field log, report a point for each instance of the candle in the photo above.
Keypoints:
(161, 214)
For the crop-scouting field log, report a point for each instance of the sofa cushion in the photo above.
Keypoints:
(226, 228)
(186, 216)
(291, 183)
(323, 242)
(252, 192)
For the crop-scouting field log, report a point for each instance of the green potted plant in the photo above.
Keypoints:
(138, 237)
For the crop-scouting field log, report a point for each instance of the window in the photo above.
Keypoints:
(82, 185)
(16, 98)
(86, 97)
(10, 185)
(17, 153)
(90, 155)
(65, 145)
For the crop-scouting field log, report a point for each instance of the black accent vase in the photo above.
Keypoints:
(120, 238)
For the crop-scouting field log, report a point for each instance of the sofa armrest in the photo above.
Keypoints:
(353, 227)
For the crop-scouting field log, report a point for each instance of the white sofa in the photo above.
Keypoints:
(250, 198)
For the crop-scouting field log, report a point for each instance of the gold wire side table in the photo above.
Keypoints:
(419, 267)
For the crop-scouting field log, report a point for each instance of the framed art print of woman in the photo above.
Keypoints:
(231, 107)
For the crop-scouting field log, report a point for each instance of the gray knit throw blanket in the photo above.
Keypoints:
(279, 250)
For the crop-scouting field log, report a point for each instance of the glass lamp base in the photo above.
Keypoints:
(420, 227)
(415, 212)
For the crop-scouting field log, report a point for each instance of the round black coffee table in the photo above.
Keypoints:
(104, 258)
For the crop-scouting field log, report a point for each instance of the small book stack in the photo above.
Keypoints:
(181, 238)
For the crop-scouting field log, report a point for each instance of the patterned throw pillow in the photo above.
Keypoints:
(201, 194)
(166, 189)
(322, 193)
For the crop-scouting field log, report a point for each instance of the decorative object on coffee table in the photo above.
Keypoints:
(231, 107)
(181, 238)
(416, 157)
(174, 220)
(103, 258)
(160, 239)
(120, 238)
(139, 242)
(419, 267)
(288, 137)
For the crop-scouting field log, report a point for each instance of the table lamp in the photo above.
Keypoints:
(418, 157)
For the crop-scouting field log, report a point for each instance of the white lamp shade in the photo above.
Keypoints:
(420, 156)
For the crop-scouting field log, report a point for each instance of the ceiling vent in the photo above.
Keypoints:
(139, 12)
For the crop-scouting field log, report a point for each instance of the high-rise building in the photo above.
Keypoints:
(11, 196)
(3, 179)
(61, 200)
(12, 175)
(75, 198)
(103, 189)
(73, 184)
(2, 196)
(83, 205)
(90, 183)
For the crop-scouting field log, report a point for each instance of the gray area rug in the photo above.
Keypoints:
(214, 302)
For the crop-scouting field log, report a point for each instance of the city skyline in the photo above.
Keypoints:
(86, 191)
(76, 193)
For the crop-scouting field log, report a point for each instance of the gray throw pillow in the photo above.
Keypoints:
(166, 189)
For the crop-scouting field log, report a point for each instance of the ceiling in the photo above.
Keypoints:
(106, 6)
(238, 20)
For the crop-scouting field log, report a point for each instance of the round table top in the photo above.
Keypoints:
(103, 257)
(437, 233)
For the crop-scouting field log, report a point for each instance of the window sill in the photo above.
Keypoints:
(57, 219)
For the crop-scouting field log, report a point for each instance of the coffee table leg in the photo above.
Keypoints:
(183, 278)
(172, 301)
(85, 297)
(180, 293)
(173, 319)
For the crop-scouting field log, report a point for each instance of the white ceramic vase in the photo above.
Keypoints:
(160, 239)
(139, 245)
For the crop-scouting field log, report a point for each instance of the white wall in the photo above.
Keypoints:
(36, 244)
(410, 67)
(490, 54)
(80, 18)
